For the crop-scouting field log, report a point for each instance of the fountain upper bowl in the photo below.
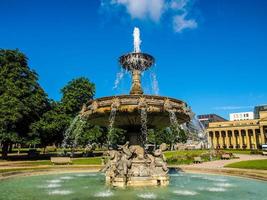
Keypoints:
(136, 61)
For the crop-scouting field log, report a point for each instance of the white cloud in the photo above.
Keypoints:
(178, 4)
(180, 23)
(141, 9)
(154, 10)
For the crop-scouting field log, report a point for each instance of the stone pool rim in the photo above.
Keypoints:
(241, 173)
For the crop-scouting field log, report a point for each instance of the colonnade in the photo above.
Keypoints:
(237, 138)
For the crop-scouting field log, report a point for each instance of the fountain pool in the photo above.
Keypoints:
(81, 186)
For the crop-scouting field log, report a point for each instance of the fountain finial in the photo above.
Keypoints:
(137, 40)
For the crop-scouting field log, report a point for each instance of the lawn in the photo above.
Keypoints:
(238, 151)
(88, 161)
(76, 161)
(173, 158)
(196, 152)
(250, 164)
(185, 156)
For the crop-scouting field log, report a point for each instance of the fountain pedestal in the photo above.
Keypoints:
(131, 166)
(148, 181)
(136, 83)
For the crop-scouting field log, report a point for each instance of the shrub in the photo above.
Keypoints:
(256, 151)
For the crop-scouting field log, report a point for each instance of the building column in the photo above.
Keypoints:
(254, 139)
(233, 139)
(217, 134)
(262, 135)
(220, 140)
(227, 139)
(240, 137)
(236, 138)
(214, 140)
(247, 139)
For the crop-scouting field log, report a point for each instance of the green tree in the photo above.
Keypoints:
(183, 136)
(92, 134)
(76, 93)
(116, 136)
(22, 100)
(54, 124)
(51, 126)
(169, 135)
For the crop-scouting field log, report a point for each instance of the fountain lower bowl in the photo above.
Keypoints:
(129, 107)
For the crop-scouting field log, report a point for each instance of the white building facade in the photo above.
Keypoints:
(241, 116)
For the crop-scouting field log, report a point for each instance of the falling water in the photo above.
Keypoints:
(137, 40)
(67, 134)
(143, 126)
(73, 133)
(189, 128)
(77, 131)
(119, 77)
(154, 83)
(112, 117)
(197, 130)
(173, 119)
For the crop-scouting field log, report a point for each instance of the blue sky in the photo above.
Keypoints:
(212, 54)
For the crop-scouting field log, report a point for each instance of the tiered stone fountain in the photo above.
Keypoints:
(131, 165)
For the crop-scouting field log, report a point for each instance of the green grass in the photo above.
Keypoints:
(186, 156)
(237, 151)
(77, 161)
(250, 164)
(196, 152)
(87, 161)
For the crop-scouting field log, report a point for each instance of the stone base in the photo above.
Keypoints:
(138, 181)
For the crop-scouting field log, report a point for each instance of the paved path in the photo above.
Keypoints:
(217, 167)
(218, 164)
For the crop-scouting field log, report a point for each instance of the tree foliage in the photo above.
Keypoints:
(169, 135)
(51, 127)
(22, 100)
(54, 124)
(76, 93)
(116, 136)
(92, 134)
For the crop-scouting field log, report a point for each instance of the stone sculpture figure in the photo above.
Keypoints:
(167, 105)
(111, 166)
(142, 103)
(158, 164)
(115, 103)
(132, 161)
(125, 160)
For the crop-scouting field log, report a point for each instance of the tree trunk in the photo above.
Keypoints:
(10, 148)
(44, 150)
(4, 150)
(171, 146)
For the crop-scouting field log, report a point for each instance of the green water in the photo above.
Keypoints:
(85, 186)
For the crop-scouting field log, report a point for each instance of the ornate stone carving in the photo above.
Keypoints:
(128, 163)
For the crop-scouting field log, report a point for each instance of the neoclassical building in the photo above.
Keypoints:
(245, 134)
